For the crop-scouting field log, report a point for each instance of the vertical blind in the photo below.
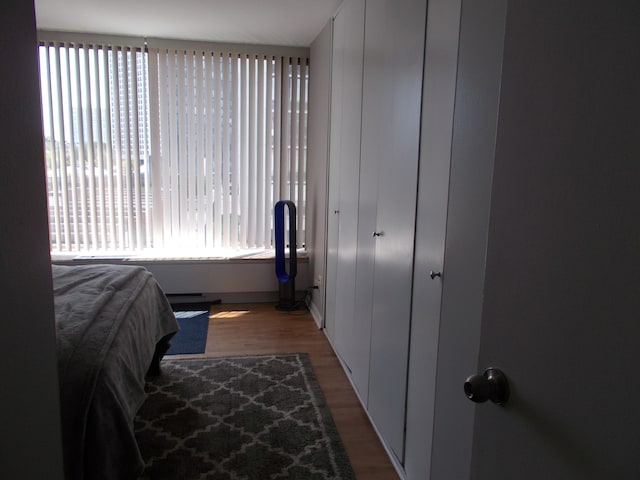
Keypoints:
(96, 124)
(167, 148)
(230, 137)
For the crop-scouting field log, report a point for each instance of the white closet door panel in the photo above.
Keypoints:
(333, 200)
(374, 101)
(352, 330)
(440, 72)
(395, 34)
(348, 331)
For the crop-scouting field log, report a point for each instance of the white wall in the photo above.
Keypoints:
(318, 145)
(231, 281)
(30, 446)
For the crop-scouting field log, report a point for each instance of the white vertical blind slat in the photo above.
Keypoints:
(169, 147)
(162, 150)
(227, 239)
(155, 162)
(293, 124)
(108, 146)
(183, 102)
(270, 174)
(253, 155)
(65, 240)
(201, 170)
(129, 199)
(277, 129)
(53, 160)
(117, 148)
(81, 152)
(261, 157)
(76, 244)
(235, 158)
(89, 150)
(293, 119)
(192, 170)
(172, 164)
(285, 131)
(210, 178)
(244, 166)
(145, 147)
(135, 151)
(99, 155)
(217, 140)
(302, 159)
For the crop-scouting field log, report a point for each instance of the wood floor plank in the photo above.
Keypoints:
(251, 329)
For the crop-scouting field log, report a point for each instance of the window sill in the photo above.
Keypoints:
(257, 256)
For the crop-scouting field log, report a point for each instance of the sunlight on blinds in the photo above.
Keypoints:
(168, 150)
(95, 120)
(230, 135)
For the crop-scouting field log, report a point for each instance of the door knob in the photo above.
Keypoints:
(491, 385)
(377, 234)
(433, 274)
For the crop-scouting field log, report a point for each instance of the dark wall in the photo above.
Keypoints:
(29, 406)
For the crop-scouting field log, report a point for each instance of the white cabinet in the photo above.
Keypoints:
(375, 143)
(392, 91)
(348, 332)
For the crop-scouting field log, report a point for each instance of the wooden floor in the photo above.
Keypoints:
(239, 329)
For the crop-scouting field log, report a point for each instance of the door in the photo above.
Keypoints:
(392, 92)
(349, 332)
(335, 159)
(440, 72)
(560, 285)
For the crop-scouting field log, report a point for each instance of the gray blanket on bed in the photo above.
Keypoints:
(108, 320)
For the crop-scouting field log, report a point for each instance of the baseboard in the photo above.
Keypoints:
(315, 313)
(226, 297)
(224, 278)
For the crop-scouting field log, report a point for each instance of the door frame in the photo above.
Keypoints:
(481, 41)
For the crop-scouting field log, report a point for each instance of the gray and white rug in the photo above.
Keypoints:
(253, 418)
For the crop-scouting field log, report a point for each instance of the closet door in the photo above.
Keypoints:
(392, 89)
(350, 331)
(333, 196)
(440, 73)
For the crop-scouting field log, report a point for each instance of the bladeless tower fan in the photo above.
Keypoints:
(286, 280)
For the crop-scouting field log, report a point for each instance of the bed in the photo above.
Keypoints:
(113, 324)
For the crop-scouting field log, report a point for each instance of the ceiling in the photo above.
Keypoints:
(268, 22)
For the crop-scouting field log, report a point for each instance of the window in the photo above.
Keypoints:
(158, 149)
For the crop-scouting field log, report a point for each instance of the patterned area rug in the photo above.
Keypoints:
(253, 418)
